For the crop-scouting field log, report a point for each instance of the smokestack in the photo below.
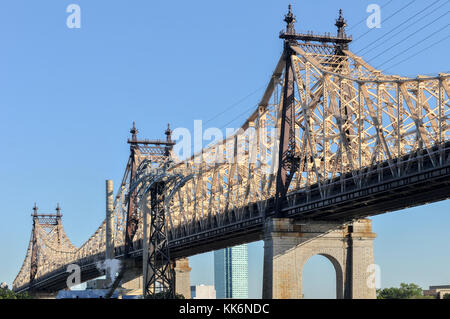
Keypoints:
(109, 254)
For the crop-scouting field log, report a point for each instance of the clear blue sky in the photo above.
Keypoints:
(68, 98)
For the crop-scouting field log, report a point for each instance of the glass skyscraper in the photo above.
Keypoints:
(231, 272)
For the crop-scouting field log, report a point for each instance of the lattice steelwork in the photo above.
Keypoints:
(49, 246)
(351, 122)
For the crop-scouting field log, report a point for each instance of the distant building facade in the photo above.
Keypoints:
(203, 292)
(231, 272)
(437, 291)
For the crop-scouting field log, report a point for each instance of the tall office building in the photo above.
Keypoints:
(231, 272)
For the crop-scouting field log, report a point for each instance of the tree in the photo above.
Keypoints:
(446, 296)
(406, 291)
(5, 293)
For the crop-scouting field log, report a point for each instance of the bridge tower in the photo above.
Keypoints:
(132, 218)
(158, 273)
(51, 224)
(158, 268)
(288, 155)
(288, 244)
(287, 159)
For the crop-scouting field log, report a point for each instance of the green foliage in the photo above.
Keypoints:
(446, 296)
(406, 291)
(423, 297)
(9, 294)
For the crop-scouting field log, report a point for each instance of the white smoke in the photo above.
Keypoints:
(113, 265)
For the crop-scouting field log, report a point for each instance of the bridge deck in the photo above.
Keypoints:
(352, 197)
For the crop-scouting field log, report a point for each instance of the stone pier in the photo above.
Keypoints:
(182, 277)
(288, 245)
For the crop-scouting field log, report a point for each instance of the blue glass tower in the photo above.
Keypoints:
(231, 272)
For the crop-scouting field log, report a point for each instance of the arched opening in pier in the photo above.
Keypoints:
(321, 278)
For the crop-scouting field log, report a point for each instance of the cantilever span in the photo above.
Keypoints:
(332, 139)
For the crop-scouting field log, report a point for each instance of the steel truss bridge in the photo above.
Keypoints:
(332, 139)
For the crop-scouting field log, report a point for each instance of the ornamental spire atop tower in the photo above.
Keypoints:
(168, 147)
(134, 132)
(289, 18)
(341, 24)
(58, 210)
(35, 210)
(168, 133)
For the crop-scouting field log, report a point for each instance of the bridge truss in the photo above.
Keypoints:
(327, 122)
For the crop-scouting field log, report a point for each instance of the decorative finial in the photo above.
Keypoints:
(289, 18)
(58, 210)
(341, 24)
(168, 133)
(134, 132)
(35, 209)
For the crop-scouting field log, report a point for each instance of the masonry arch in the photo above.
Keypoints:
(288, 246)
(338, 269)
